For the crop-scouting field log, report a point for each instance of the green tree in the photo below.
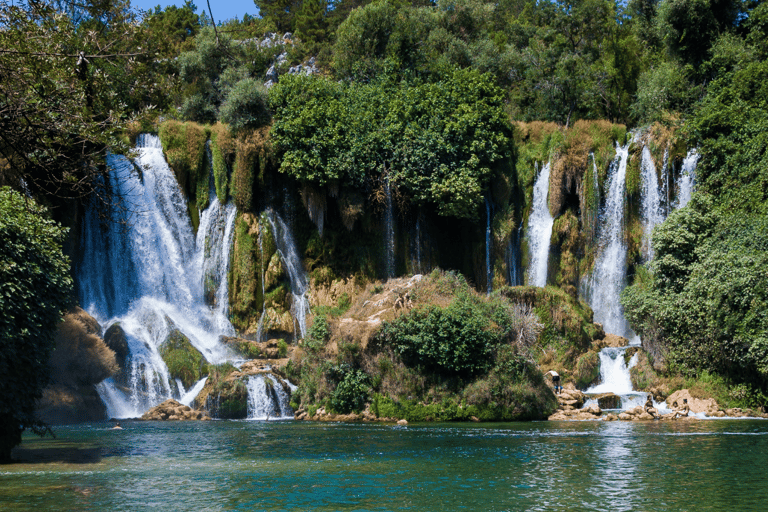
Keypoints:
(61, 101)
(439, 141)
(35, 288)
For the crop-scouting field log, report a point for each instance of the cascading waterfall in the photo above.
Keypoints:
(540, 225)
(488, 268)
(687, 178)
(652, 209)
(298, 278)
(267, 400)
(389, 231)
(144, 269)
(608, 277)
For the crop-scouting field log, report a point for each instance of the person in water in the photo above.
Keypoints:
(117, 426)
(556, 381)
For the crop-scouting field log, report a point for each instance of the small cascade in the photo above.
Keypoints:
(389, 231)
(513, 257)
(419, 260)
(540, 225)
(188, 397)
(615, 378)
(267, 400)
(614, 372)
(608, 278)
(142, 268)
(652, 209)
(685, 183)
(298, 278)
(488, 269)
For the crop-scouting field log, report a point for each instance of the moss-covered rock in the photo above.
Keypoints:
(183, 360)
(224, 396)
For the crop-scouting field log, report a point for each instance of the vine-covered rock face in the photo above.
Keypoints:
(183, 360)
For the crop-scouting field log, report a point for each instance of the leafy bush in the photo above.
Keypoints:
(246, 105)
(351, 393)
(35, 287)
(452, 341)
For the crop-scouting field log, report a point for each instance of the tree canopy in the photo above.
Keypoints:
(438, 141)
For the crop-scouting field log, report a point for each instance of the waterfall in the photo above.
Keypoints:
(143, 267)
(608, 276)
(540, 225)
(652, 210)
(614, 372)
(513, 258)
(267, 399)
(687, 178)
(389, 231)
(298, 278)
(488, 269)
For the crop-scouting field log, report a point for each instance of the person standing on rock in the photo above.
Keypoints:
(556, 381)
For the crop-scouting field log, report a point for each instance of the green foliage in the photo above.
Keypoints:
(454, 341)
(35, 287)
(246, 105)
(351, 393)
(282, 348)
(438, 141)
(60, 114)
(318, 335)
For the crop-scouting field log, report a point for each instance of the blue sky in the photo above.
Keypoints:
(222, 9)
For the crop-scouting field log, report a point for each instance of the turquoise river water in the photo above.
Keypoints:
(240, 465)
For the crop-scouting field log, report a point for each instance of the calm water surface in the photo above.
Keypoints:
(229, 465)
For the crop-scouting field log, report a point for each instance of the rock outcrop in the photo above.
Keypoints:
(171, 410)
(79, 361)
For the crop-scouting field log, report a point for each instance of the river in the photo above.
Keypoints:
(287, 465)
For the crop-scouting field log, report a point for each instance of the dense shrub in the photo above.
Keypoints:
(35, 286)
(452, 341)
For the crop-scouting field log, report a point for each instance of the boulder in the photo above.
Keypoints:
(116, 340)
(697, 405)
(183, 360)
(609, 401)
(614, 340)
(80, 360)
(402, 422)
(171, 410)
(610, 417)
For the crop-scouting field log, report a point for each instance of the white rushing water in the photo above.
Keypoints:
(389, 231)
(286, 246)
(609, 275)
(686, 182)
(267, 400)
(652, 209)
(614, 372)
(540, 225)
(143, 268)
